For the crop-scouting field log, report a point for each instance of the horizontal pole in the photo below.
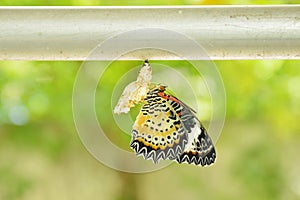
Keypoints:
(224, 32)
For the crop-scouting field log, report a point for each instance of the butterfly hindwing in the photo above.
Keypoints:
(199, 149)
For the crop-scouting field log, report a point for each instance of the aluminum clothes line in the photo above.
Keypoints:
(224, 32)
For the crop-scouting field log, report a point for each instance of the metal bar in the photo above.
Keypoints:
(224, 32)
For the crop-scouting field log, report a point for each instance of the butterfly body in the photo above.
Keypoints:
(166, 128)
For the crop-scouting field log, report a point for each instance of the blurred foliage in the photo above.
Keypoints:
(42, 157)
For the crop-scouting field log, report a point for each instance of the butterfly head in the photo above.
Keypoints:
(162, 88)
(155, 88)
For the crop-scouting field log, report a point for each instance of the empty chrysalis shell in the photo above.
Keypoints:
(136, 91)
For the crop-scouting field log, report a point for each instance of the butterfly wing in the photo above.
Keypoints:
(158, 132)
(166, 128)
(199, 149)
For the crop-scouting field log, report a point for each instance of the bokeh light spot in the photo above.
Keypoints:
(19, 115)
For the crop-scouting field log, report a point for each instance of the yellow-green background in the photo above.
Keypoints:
(258, 150)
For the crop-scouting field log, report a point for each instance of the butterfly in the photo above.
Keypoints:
(166, 128)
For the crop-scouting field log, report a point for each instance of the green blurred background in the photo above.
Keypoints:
(41, 156)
